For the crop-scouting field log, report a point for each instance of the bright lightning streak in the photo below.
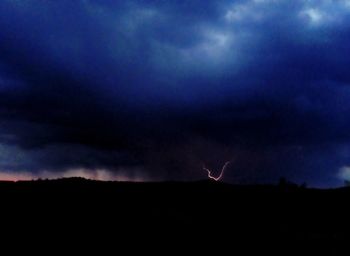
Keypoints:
(221, 173)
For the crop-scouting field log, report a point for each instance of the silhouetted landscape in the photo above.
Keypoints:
(176, 212)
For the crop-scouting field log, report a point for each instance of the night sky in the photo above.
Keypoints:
(155, 90)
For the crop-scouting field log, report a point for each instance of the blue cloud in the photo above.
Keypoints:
(132, 75)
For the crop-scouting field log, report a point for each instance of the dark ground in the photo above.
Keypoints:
(277, 220)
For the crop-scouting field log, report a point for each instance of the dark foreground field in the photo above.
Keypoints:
(278, 219)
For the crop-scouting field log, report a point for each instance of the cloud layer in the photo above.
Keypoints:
(163, 86)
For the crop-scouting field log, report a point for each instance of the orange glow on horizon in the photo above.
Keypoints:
(100, 174)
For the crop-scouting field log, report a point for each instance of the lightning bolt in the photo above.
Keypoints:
(210, 176)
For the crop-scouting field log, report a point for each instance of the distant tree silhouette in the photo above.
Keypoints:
(304, 185)
(282, 182)
(286, 184)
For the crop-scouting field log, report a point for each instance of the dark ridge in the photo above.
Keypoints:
(181, 211)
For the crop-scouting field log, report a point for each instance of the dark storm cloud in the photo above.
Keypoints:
(167, 85)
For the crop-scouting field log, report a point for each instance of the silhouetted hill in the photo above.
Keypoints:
(180, 211)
